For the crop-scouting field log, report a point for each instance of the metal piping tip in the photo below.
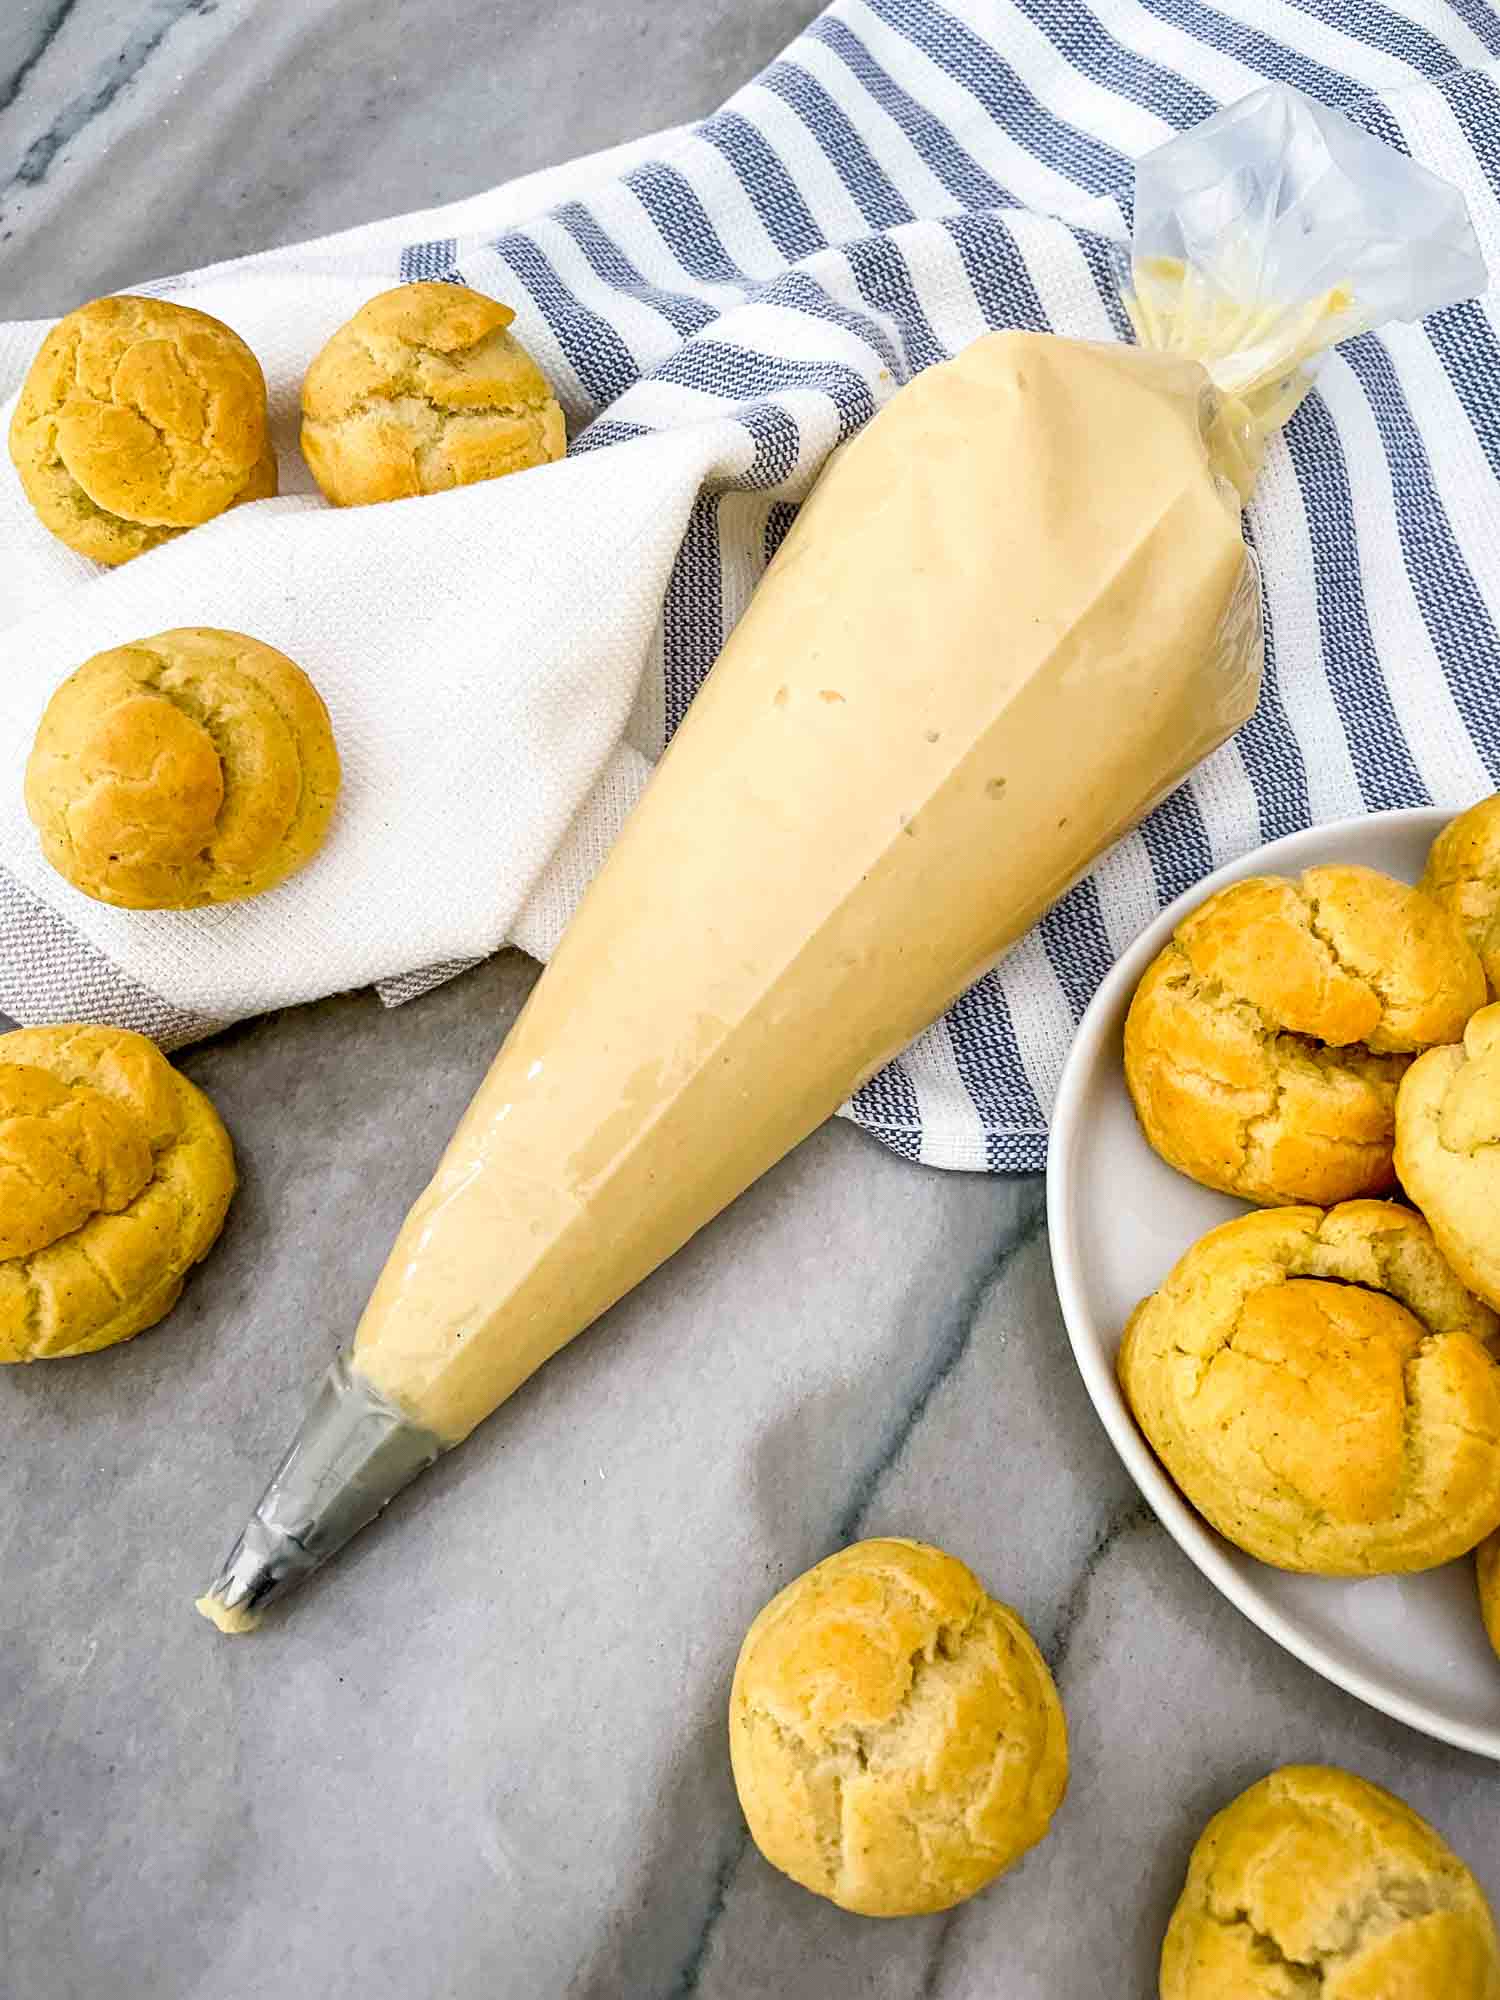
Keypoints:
(257, 1569)
(352, 1456)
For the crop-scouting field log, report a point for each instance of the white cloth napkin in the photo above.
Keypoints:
(480, 653)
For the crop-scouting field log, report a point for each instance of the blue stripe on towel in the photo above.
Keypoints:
(610, 263)
(997, 271)
(931, 140)
(1176, 842)
(1383, 28)
(1383, 765)
(773, 193)
(599, 357)
(1091, 163)
(1273, 756)
(683, 223)
(1256, 49)
(693, 614)
(1457, 620)
(1083, 41)
(885, 283)
(1077, 944)
(887, 1106)
(851, 159)
(437, 260)
(988, 1059)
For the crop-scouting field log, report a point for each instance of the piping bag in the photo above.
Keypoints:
(1015, 611)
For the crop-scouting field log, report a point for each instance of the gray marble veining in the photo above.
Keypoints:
(140, 137)
(484, 1754)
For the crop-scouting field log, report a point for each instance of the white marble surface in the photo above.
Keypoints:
(484, 1754)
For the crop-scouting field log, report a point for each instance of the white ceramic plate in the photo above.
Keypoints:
(1119, 1218)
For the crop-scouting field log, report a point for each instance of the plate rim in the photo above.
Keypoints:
(1090, 1353)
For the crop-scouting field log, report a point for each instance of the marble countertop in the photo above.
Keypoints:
(484, 1754)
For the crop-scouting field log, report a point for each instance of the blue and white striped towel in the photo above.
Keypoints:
(906, 177)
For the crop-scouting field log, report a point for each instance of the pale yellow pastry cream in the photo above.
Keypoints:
(1016, 609)
(229, 1618)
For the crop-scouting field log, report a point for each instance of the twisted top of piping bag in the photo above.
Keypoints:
(1269, 233)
